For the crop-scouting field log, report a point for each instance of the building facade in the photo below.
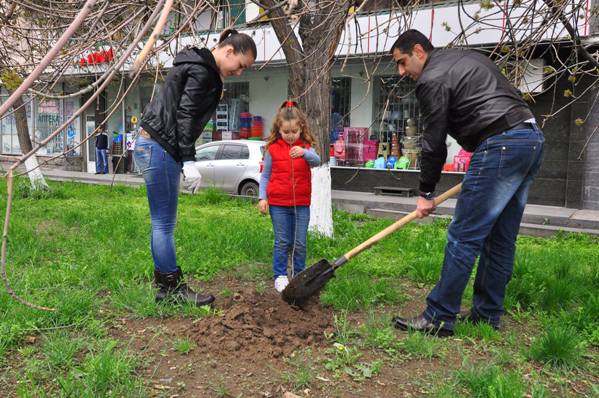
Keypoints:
(374, 112)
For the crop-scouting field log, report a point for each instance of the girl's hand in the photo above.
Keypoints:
(263, 206)
(296, 152)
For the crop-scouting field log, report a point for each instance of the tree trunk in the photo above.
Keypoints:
(315, 100)
(31, 165)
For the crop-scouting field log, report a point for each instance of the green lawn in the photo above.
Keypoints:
(83, 250)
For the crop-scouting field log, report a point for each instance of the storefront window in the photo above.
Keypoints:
(232, 119)
(8, 128)
(393, 139)
(73, 131)
(47, 121)
(340, 105)
(396, 123)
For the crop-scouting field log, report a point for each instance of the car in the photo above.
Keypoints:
(231, 165)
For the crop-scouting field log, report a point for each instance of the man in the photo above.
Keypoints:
(101, 151)
(462, 93)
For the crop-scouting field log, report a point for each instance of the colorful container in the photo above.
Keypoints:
(257, 128)
(245, 125)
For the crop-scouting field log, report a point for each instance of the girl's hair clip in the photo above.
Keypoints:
(289, 104)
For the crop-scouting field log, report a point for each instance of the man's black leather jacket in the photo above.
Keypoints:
(462, 93)
(191, 92)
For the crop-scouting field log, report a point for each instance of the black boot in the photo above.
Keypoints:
(172, 287)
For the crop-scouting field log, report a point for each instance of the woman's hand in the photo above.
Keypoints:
(263, 206)
(296, 152)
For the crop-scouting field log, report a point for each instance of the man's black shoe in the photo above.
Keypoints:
(469, 316)
(421, 324)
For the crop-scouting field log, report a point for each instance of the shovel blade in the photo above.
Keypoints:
(308, 282)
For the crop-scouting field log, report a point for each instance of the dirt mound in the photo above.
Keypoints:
(258, 325)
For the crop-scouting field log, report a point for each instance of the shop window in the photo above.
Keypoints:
(73, 131)
(395, 103)
(341, 98)
(8, 130)
(236, 97)
(48, 119)
(51, 114)
(340, 105)
(396, 122)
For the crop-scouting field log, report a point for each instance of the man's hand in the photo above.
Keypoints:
(296, 152)
(192, 179)
(263, 206)
(424, 207)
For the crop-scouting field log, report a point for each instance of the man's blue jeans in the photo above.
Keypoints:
(486, 223)
(289, 224)
(161, 174)
(101, 161)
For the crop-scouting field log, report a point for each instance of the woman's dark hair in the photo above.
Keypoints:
(240, 42)
(408, 39)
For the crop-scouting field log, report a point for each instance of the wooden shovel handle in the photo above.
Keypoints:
(399, 223)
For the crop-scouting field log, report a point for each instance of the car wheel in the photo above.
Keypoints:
(250, 188)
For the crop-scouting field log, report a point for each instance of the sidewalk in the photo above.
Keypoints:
(538, 220)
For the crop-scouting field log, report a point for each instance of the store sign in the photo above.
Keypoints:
(97, 57)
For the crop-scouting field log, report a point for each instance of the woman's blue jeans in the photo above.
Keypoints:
(291, 229)
(162, 175)
(486, 223)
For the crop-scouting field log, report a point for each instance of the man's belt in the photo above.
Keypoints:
(144, 133)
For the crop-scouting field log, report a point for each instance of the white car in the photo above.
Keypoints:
(231, 165)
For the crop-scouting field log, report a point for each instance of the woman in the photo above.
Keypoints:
(170, 126)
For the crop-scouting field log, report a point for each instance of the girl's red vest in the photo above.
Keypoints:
(280, 189)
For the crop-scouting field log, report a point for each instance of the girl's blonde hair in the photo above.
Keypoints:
(290, 111)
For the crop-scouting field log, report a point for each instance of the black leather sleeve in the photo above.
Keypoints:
(195, 102)
(433, 99)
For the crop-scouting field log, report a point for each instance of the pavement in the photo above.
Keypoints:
(538, 220)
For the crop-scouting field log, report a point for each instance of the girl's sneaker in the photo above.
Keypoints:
(281, 283)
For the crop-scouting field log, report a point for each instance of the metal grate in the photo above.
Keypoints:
(395, 103)
(341, 98)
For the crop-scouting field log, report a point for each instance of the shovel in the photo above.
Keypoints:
(309, 282)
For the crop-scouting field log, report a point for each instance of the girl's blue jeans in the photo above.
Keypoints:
(486, 223)
(289, 224)
(162, 175)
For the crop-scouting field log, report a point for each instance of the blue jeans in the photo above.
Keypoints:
(486, 223)
(161, 174)
(286, 224)
(101, 161)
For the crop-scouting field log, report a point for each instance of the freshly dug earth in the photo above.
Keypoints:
(261, 324)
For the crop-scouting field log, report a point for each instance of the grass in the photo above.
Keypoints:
(184, 345)
(84, 250)
(302, 374)
(420, 346)
(558, 347)
(491, 382)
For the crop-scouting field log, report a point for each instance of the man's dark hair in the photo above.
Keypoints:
(408, 39)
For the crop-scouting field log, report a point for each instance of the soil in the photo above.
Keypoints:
(262, 325)
(246, 350)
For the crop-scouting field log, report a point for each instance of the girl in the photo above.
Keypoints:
(285, 188)
(170, 125)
